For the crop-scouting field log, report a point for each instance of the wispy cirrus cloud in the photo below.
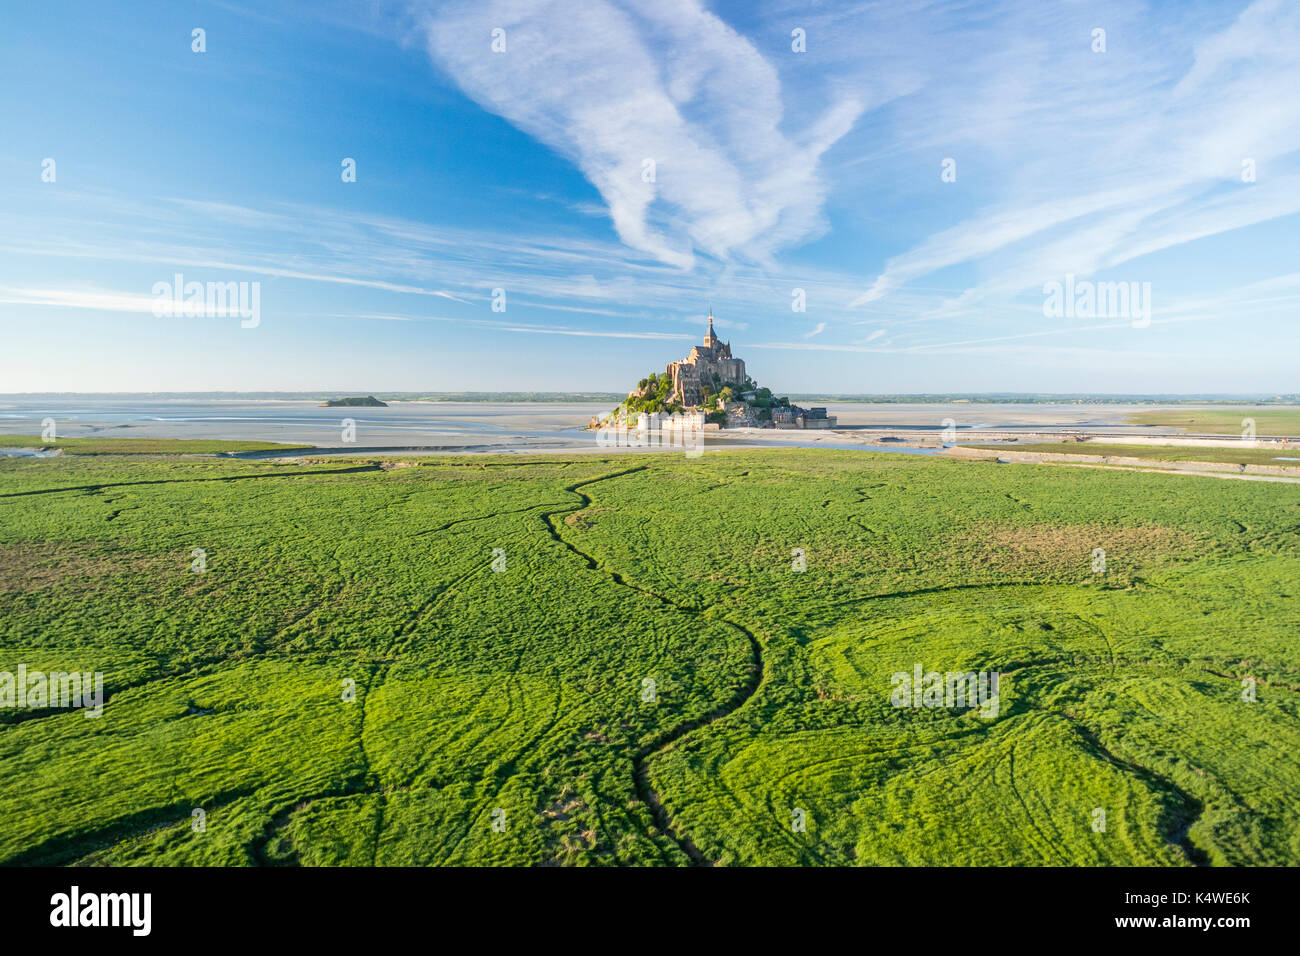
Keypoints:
(617, 86)
(1103, 157)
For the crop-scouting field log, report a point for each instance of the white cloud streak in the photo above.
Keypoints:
(1108, 156)
(618, 86)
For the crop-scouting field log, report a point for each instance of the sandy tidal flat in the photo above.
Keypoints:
(496, 427)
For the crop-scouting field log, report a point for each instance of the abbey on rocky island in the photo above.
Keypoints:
(710, 388)
(708, 364)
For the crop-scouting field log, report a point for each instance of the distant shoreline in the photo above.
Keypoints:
(547, 398)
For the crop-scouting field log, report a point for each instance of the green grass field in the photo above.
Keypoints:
(506, 717)
(1223, 421)
(1245, 455)
(143, 446)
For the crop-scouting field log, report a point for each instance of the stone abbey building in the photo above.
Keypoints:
(710, 366)
(707, 362)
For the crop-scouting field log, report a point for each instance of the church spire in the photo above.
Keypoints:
(709, 338)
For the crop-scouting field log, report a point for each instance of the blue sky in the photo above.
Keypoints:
(774, 171)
